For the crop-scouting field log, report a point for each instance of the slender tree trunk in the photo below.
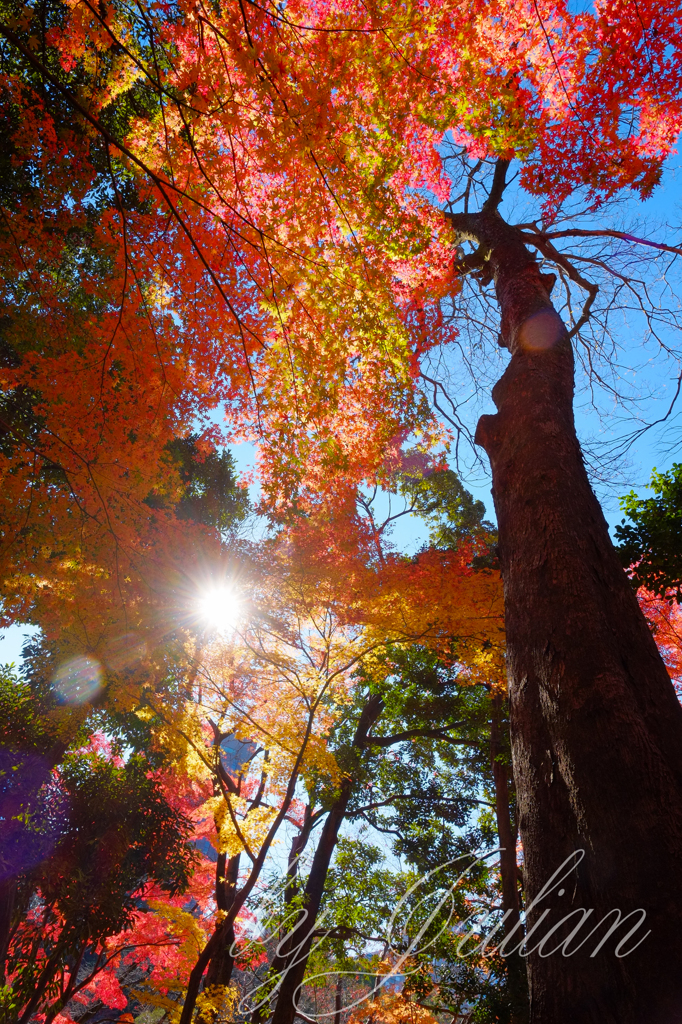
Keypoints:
(294, 971)
(222, 962)
(596, 727)
(338, 1000)
(8, 890)
(511, 904)
(283, 954)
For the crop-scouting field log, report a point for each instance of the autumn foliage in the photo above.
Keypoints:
(236, 209)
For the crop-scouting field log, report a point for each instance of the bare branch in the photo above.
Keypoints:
(610, 233)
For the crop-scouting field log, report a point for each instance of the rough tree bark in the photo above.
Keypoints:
(596, 726)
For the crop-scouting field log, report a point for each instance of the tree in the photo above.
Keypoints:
(86, 448)
(578, 649)
(333, 296)
(271, 691)
(649, 550)
(665, 622)
(417, 789)
(456, 611)
(650, 542)
(310, 636)
(97, 838)
(433, 783)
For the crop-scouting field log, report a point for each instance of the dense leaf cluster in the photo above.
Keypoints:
(85, 836)
(651, 542)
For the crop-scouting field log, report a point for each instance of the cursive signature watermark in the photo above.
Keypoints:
(432, 912)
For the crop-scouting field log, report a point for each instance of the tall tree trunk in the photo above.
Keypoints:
(596, 726)
(511, 904)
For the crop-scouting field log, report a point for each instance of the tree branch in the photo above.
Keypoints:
(498, 186)
(608, 233)
(408, 734)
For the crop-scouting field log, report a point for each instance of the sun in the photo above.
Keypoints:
(220, 608)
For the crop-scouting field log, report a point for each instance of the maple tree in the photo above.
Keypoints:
(105, 482)
(292, 238)
(280, 684)
(299, 638)
(331, 786)
(663, 617)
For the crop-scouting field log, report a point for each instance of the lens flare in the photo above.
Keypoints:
(220, 608)
(78, 680)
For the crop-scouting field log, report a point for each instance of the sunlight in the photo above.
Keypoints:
(220, 608)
